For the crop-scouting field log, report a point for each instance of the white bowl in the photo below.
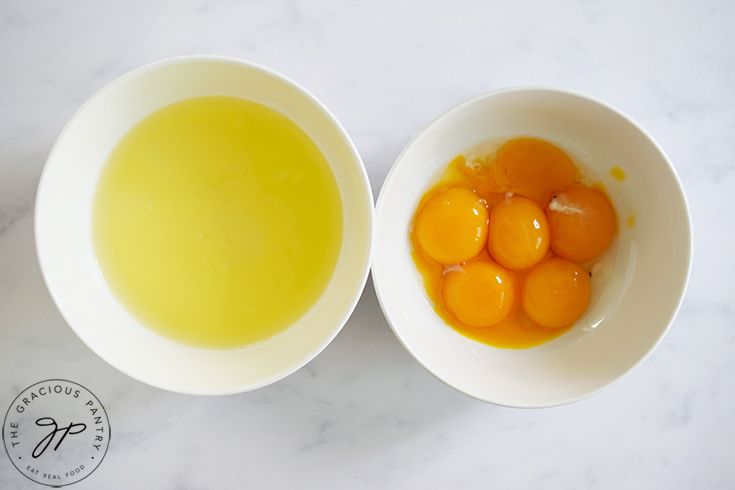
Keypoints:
(64, 243)
(626, 319)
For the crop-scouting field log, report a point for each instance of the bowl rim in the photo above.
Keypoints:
(369, 212)
(378, 273)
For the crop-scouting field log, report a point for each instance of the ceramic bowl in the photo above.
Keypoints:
(67, 258)
(628, 315)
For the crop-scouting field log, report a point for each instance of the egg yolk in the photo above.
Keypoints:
(542, 224)
(582, 223)
(533, 168)
(451, 227)
(518, 233)
(555, 293)
(479, 293)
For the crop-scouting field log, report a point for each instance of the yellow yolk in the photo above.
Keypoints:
(555, 293)
(478, 294)
(518, 233)
(618, 173)
(533, 168)
(516, 292)
(631, 220)
(451, 228)
(582, 223)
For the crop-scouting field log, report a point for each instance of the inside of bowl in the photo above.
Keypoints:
(628, 316)
(63, 233)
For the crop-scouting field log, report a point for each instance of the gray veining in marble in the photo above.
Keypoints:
(364, 414)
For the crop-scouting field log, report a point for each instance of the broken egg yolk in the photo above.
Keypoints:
(555, 293)
(451, 227)
(582, 223)
(519, 233)
(505, 243)
(479, 293)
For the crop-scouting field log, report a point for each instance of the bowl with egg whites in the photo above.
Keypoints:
(204, 225)
(532, 246)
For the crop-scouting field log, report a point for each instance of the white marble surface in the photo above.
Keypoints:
(364, 414)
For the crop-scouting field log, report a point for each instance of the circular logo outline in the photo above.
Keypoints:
(12, 426)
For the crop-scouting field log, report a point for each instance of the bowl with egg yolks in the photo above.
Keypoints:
(204, 225)
(626, 271)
